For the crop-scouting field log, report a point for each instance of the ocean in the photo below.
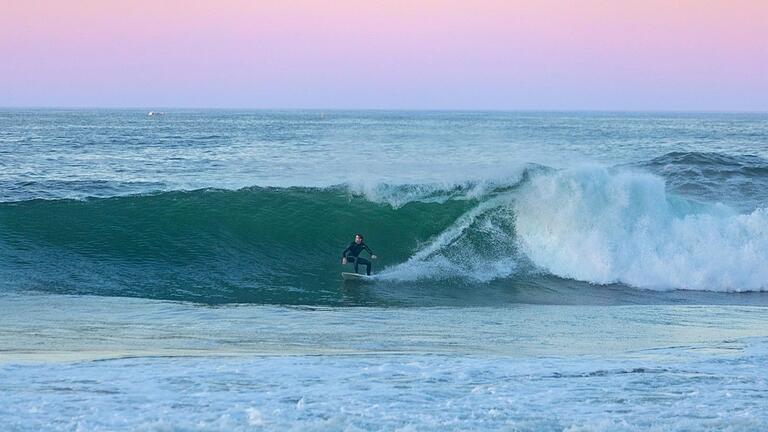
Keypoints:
(536, 271)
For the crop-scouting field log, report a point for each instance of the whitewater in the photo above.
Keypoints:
(537, 271)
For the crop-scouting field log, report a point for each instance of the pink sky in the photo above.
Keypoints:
(485, 54)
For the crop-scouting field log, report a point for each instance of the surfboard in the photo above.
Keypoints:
(355, 276)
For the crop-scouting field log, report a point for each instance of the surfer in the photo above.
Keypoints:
(352, 251)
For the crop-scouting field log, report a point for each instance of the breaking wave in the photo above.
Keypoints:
(628, 225)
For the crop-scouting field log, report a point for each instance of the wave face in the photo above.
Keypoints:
(280, 245)
(539, 230)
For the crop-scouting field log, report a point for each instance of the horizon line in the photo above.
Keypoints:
(400, 109)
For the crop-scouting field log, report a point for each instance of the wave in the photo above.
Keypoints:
(255, 244)
(603, 227)
(597, 225)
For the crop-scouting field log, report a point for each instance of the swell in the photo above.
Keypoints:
(541, 230)
(740, 181)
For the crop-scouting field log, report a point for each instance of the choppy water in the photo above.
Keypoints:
(605, 265)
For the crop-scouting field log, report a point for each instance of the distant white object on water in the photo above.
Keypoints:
(155, 113)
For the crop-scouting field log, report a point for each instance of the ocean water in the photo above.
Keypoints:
(536, 271)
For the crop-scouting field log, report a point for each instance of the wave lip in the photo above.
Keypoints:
(603, 227)
(461, 187)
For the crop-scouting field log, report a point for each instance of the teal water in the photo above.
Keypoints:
(537, 271)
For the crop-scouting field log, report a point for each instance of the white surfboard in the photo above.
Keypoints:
(355, 276)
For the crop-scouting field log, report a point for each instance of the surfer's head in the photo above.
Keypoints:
(358, 238)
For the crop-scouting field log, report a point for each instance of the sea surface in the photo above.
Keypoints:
(537, 271)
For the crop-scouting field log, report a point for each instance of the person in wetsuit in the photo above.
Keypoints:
(350, 254)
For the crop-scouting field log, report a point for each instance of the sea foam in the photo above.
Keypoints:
(601, 226)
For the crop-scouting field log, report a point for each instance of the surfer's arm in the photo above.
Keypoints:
(373, 256)
(344, 254)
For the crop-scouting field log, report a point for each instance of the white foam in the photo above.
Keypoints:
(693, 390)
(452, 254)
(599, 226)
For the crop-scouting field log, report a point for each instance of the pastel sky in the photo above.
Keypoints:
(420, 54)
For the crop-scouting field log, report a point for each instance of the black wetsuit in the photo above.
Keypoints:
(351, 254)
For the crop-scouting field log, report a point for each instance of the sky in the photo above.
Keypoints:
(681, 55)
